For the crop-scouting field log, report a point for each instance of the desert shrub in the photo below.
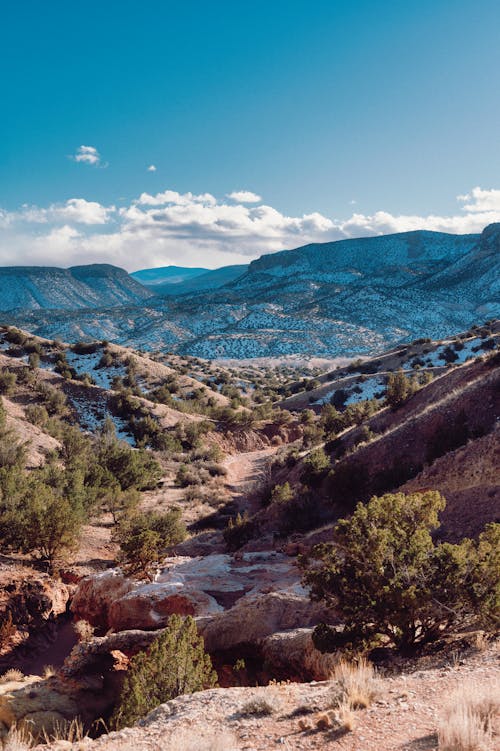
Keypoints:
(399, 389)
(312, 384)
(448, 354)
(33, 346)
(42, 521)
(7, 381)
(312, 434)
(216, 470)
(386, 575)
(14, 336)
(339, 398)
(365, 435)
(187, 476)
(7, 631)
(332, 420)
(13, 674)
(144, 538)
(485, 586)
(62, 367)
(358, 412)
(121, 503)
(300, 514)
(176, 663)
(106, 360)
(54, 400)
(34, 360)
(315, 467)
(281, 493)
(257, 708)
(239, 531)
(85, 348)
(132, 469)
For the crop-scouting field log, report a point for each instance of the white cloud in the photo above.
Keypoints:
(200, 230)
(152, 168)
(481, 200)
(87, 155)
(76, 210)
(172, 197)
(244, 196)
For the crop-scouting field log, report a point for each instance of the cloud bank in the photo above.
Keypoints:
(200, 230)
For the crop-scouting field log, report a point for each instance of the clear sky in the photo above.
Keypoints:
(137, 132)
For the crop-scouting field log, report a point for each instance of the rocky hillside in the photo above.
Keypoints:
(94, 286)
(345, 298)
(404, 712)
(256, 483)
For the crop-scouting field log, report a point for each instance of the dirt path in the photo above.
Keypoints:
(246, 474)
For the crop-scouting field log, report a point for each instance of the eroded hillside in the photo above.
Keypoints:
(247, 466)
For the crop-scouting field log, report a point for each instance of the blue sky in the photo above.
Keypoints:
(322, 109)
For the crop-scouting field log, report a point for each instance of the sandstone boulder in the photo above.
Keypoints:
(249, 596)
(293, 652)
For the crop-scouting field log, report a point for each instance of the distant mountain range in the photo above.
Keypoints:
(348, 297)
(176, 280)
(166, 275)
(93, 286)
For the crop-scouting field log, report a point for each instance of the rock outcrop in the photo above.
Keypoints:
(235, 600)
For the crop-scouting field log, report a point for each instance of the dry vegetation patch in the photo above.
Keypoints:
(468, 720)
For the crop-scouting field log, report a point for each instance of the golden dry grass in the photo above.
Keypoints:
(11, 675)
(17, 740)
(467, 721)
(345, 717)
(358, 681)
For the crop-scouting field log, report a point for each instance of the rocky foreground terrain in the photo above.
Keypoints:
(224, 440)
(401, 712)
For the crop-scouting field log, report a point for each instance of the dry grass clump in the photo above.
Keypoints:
(257, 708)
(11, 675)
(359, 682)
(17, 740)
(467, 722)
(71, 731)
(345, 717)
(324, 721)
(341, 720)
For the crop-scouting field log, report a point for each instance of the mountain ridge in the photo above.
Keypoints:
(51, 287)
(345, 298)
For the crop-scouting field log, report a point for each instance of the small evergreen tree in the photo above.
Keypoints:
(144, 538)
(281, 493)
(400, 388)
(176, 663)
(316, 466)
(385, 575)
